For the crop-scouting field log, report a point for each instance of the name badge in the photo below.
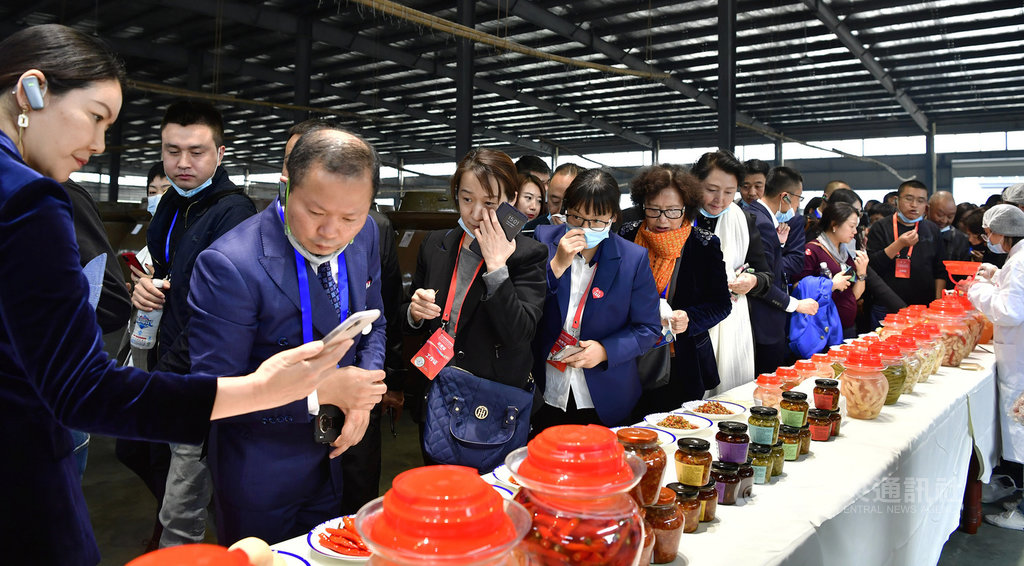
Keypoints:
(903, 268)
(435, 354)
(563, 347)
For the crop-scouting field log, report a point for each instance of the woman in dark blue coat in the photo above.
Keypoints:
(687, 264)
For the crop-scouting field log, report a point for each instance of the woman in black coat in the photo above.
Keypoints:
(690, 276)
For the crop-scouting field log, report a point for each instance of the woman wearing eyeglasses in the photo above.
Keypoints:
(601, 311)
(690, 277)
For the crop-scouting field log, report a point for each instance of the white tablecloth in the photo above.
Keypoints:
(886, 491)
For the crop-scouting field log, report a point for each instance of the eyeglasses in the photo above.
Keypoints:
(911, 199)
(670, 213)
(596, 224)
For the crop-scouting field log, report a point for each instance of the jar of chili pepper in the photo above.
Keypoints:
(708, 497)
(727, 481)
(648, 551)
(693, 461)
(667, 522)
(575, 482)
(444, 514)
(820, 423)
(732, 441)
(836, 419)
(826, 394)
(688, 500)
(746, 474)
(644, 443)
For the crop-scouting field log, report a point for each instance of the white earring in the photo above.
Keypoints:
(23, 119)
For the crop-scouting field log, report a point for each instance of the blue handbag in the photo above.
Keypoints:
(475, 422)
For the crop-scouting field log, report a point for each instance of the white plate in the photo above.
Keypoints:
(505, 492)
(313, 540)
(700, 422)
(664, 436)
(736, 408)
(291, 559)
(503, 475)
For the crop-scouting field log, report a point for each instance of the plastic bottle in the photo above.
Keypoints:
(825, 271)
(146, 325)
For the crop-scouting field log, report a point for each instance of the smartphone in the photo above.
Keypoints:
(133, 261)
(511, 220)
(565, 352)
(352, 325)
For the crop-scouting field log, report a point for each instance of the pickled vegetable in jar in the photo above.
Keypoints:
(708, 497)
(913, 358)
(648, 552)
(778, 458)
(824, 366)
(789, 376)
(836, 420)
(793, 410)
(955, 335)
(836, 356)
(805, 439)
(806, 369)
(789, 436)
(894, 368)
(727, 481)
(938, 344)
(820, 424)
(667, 522)
(826, 394)
(763, 425)
(687, 498)
(746, 474)
(768, 392)
(732, 441)
(864, 386)
(644, 443)
(693, 461)
(761, 462)
(928, 350)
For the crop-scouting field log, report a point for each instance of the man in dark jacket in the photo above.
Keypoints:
(203, 205)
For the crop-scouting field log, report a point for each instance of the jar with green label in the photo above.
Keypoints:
(793, 409)
(790, 438)
(693, 461)
(761, 461)
(763, 425)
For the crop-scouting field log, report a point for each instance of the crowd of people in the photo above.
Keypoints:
(604, 314)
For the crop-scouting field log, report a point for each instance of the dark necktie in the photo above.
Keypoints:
(324, 273)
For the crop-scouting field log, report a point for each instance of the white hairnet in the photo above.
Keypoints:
(1014, 194)
(1005, 219)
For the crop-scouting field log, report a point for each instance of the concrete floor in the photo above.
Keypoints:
(123, 510)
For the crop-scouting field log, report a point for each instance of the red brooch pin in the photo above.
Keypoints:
(597, 293)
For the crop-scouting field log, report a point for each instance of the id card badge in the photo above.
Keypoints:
(564, 339)
(435, 354)
(903, 268)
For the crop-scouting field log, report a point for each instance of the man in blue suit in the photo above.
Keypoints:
(782, 234)
(281, 278)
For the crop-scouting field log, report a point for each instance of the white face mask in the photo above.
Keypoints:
(151, 203)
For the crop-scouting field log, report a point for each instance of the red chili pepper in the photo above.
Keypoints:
(350, 523)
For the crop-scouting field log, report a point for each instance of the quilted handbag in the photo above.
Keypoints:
(475, 422)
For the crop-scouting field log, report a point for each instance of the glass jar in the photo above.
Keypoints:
(708, 497)
(579, 477)
(820, 423)
(826, 394)
(824, 366)
(913, 357)
(940, 346)
(648, 552)
(768, 392)
(805, 439)
(667, 522)
(746, 474)
(928, 349)
(763, 425)
(894, 368)
(864, 386)
(687, 498)
(837, 357)
(789, 377)
(761, 462)
(693, 461)
(836, 419)
(955, 334)
(444, 515)
(727, 481)
(778, 458)
(789, 436)
(793, 410)
(893, 325)
(806, 369)
(644, 443)
(732, 441)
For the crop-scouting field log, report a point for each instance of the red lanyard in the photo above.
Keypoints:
(583, 301)
(896, 235)
(451, 289)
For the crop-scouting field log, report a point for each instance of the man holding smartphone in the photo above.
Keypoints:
(286, 276)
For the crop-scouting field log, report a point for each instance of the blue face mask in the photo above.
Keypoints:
(193, 192)
(995, 248)
(946, 229)
(595, 237)
(906, 220)
(785, 216)
(707, 214)
(151, 203)
(463, 224)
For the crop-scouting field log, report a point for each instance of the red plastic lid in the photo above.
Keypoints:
(632, 435)
(576, 455)
(870, 338)
(847, 348)
(442, 511)
(885, 350)
(916, 310)
(864, 360)
(785, 372)
(946, 308)
(666, 496)
(805, 365)
(197, 555)
(820, 358)
(905, 341)
(769, 379)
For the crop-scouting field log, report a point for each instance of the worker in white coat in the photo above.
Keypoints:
(999, 294)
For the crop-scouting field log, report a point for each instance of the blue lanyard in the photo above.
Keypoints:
(305, 305)
(167, 246)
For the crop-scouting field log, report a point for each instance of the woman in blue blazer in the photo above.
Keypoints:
(596, 381)
(689, 274)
